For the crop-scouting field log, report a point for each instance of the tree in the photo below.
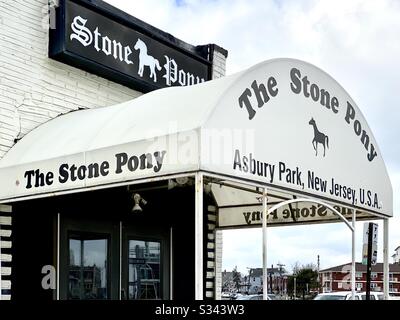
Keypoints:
(306, 280)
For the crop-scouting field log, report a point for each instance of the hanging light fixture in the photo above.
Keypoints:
(138, 200)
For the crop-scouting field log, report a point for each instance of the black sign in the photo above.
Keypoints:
(98, 38)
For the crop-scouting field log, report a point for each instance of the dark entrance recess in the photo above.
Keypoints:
(90, 233)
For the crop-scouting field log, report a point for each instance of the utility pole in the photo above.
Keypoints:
(368, 289)
(318, 280)
(294, 279)
(280, 265)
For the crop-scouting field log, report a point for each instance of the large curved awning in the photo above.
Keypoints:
(283, 123)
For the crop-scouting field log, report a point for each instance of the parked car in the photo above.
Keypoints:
(340, 295)
(346, 295)
(373, 296)
(256, 297)
(228, 295)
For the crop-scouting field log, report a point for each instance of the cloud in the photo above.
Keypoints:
(356, 42)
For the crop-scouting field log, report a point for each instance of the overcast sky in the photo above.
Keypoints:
(356, 42)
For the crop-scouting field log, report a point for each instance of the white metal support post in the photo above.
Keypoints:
(58, 257)
(353, 255)
(264, 245)
(199, 236)
(1, 285)
(120, 261)
(386, 258)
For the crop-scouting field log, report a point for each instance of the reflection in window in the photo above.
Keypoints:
(144, 269)
(87, 268)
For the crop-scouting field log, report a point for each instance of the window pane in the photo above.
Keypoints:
(88, 268)
(74, 252)
(144, 269)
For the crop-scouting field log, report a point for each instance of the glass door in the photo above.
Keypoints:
(144, 270)
(88, 274)
(113, 260)
(89, 259)
(145, 264)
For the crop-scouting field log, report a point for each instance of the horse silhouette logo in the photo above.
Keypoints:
(319, 137)
(146, 60)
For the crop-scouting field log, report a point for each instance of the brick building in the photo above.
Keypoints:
(338, 278)
(70, 57)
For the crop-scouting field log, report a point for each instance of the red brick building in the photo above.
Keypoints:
(338, 278)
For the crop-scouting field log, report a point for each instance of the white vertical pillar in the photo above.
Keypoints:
(264, 244)
(1, 285)
(199, 236)
(120, 260)
(58, 256)
(171, 266)
(353, 255)
(386, 258)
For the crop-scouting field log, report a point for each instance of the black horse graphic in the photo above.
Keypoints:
(319, 137)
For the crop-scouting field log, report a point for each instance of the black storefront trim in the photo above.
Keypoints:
(58, 51)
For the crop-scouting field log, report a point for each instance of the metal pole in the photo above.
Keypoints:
(199, 236)
(368, 289)
(353, 256)
(264, 245)
(171, 266)
(386, 258)
(120, 261)
(318, 277)
(1, 285)
(58, 256)
(294, 289)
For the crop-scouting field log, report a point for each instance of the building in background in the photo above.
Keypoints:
(277, 281)
(396, 256)
(338, 278)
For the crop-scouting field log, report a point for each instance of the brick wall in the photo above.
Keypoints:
(218, 264)
(5, 251)
(218, 71)
(219, 62)
(34, 88)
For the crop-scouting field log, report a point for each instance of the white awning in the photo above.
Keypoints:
(282, 123)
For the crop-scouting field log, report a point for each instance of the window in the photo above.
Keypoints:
(374, 275)
(358, 274)
(340, 285)
(144, 269)
(359, 285)
(88, 267)
(373, 285)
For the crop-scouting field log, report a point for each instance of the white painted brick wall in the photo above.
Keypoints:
(218, 71)
(219, 65)
(34, 88)
(218, 264)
